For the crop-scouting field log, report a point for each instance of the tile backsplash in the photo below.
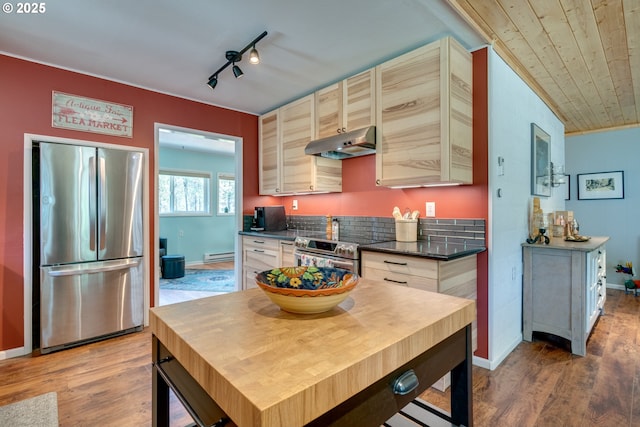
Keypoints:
(453, 230)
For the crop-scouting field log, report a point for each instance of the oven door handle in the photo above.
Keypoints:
(342, 264)
(347, 265)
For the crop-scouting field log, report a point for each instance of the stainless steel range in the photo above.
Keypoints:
(326, 253)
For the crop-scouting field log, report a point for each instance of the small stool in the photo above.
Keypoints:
(172, 266)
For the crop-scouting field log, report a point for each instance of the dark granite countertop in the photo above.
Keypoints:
(285, 234)
(435, 250)
(422, 248)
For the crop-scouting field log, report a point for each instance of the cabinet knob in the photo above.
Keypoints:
(338, 130)
(377, 182)
(344, 130)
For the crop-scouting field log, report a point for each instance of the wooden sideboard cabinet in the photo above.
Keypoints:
(564, 289)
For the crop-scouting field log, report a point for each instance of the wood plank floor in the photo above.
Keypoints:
(539, 384)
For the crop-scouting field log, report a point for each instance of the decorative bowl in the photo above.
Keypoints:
(307, 289)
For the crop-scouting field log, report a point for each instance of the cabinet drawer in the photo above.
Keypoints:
(401, 279)
(400, 264)
(260, 259)
(249, 242)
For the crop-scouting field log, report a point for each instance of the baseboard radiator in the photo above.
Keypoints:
(213, 257)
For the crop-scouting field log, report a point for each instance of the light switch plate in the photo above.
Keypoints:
(294, 205)
(431, 209)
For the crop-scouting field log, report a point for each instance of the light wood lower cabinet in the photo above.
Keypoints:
(457, 277)
(564, 289)
(258, 254)
(286, 254)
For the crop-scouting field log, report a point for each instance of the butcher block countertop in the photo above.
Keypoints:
(267, 367)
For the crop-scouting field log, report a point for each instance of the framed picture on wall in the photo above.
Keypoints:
(601, 185)
(540, 162)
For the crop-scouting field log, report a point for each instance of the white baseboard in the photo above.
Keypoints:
(13, 352)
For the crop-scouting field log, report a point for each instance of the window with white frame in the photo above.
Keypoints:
(226, 194)
(184, 193)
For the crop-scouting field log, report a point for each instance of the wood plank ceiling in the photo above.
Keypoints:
(582, 57)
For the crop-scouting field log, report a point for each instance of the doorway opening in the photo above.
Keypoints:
(198, 213)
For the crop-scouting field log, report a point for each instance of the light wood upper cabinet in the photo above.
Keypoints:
(302, 173)
(424, 117)
(329, 110)
(345, 106)
(269, 158)
(359, 100)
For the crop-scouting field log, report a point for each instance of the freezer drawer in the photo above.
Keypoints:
(83, 302)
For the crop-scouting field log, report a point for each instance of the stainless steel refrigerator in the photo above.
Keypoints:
(91, 243)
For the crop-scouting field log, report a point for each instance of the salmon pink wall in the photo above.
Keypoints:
(361, 197)
(25, 107)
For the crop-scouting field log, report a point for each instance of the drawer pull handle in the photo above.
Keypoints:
(395, 281)
(259, 241)
(405, 383)
(394, 262)
(259, 250)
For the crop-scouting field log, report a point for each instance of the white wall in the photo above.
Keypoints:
(616, 218)
(513, 106)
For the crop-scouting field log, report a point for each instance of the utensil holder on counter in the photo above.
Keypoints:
(406, 230)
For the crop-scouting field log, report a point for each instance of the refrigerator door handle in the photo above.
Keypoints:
(102, 204)
(92, 204)
(72, 270)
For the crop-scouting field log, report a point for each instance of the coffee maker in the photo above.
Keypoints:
(269, 218)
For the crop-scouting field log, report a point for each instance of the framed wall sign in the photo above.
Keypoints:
(540, 162)
(601, 185)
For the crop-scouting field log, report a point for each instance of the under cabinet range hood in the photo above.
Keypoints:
(356, 143)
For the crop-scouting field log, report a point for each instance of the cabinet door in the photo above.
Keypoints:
(424, 103)
(286, 253)
(297, 131)
(359, 100)
(408, 118)
(269, 154)
(458, 117)
(328, 112)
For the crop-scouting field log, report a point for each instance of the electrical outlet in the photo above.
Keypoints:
(181, 233)
(294, 205)
(431, 209)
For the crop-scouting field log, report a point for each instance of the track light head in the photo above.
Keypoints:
(237, 72)
(213, 81)
(254, 58)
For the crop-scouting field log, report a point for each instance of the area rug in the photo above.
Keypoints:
(41, 411)
(202, 280)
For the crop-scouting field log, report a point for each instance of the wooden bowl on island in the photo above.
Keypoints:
(307, 289)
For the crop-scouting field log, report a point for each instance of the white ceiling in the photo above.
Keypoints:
(174, 46)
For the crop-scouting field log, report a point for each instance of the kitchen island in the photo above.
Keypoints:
(238, 356)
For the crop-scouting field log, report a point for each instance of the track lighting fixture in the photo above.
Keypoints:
(236, 56)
